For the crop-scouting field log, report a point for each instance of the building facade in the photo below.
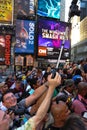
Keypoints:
(79, 34)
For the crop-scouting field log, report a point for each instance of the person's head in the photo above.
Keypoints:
(9, 100)
(60, 112)
(65, 71)
(82, 88)
(69, 85)
(48, 68)
(3, 87)
(82, 61)
(4, 121)
(18, 83)
(74, 122)
(35, 83)
(78, 72)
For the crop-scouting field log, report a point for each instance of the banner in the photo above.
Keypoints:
(6, 11)
(29, 60)
(25, 37)
(5, 49)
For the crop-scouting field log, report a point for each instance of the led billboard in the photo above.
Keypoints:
(51, 36)
(49, 8)
(25, 8)
(6, 11)
(25, 36)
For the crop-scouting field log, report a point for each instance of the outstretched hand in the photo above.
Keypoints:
(54, 82)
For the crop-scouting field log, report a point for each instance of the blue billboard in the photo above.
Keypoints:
(49, 8)
(25, 30)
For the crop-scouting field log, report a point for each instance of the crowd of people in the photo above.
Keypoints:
(49, 99)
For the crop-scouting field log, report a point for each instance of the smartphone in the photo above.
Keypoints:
(84, 115)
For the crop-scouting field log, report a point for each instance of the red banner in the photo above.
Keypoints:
(5, 49)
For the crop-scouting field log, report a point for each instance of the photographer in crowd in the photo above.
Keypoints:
(9, 101)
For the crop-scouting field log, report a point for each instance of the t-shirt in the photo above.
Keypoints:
(55, 93)
(29, 125)
(78, 105)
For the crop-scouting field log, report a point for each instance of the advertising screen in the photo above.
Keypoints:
(25, 8)
(49, 8)
(25, 36)
(52, 34)
(6, 11)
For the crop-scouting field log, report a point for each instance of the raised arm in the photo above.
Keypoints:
(38, 92)
(53, 83)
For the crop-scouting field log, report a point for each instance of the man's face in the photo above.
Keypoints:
(9, 100)
(18, 85)
(60, 113)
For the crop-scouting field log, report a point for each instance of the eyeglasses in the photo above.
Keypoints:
(9, 97)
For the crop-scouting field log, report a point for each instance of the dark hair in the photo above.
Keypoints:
(8, 91)
(74, 122)
(45, 75)
(65, 70)
(78, 72)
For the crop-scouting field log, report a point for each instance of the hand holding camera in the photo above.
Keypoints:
(54, 79)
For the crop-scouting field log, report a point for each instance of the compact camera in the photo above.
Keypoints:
(18, 111)
(53, 72)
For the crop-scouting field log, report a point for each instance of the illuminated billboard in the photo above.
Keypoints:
(49, 8)
(51, 35)
(5, 49)
(25, 36)
(25, 8)
(6, 11)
